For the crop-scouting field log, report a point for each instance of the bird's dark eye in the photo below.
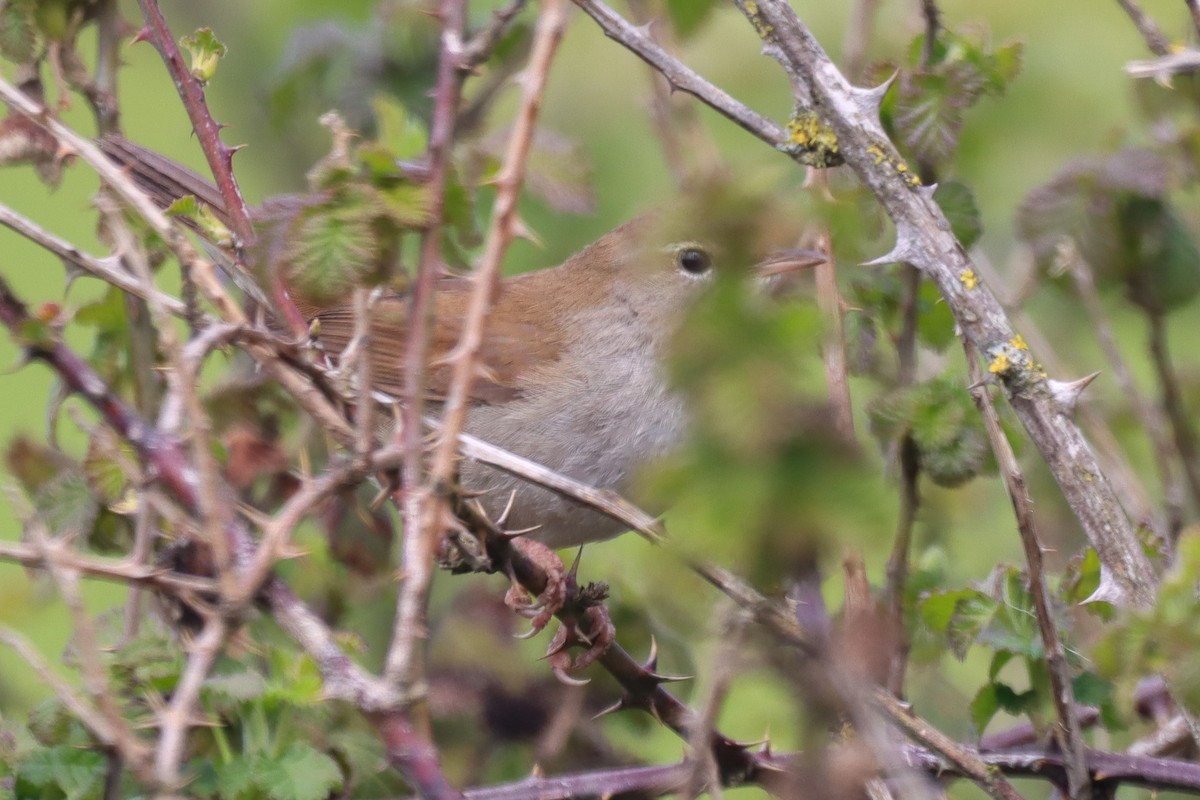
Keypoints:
(693, 260)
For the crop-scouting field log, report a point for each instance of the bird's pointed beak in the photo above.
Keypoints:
(786, 261)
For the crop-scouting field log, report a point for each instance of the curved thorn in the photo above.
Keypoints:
(652, 660)
(508, 507)
(529, 634)
(563, 677)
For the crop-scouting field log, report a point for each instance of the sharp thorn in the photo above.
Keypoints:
(620, 705)
(652, 661)
(658, 678)
(563, 677)
(508, 507)
(574, 570)
(529, 634)
(1067, 393)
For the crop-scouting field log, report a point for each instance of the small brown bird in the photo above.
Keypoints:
(573, 357)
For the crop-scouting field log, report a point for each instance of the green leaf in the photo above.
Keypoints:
(337, 246)
(205, 51)
(105, 464)
(238, 778)
(403, 135)
(1013, 624)
(957, 202)
(34, 464)
(931, 100)
(942, 421)
(984, 706)
(935, 320)
(1092, 690)
(20, 39)
(995, 697)
(78, 774)
(407, 204)
(689, 16)
(959, 615)
(1161, 261)
(66, 505)
(301, 773)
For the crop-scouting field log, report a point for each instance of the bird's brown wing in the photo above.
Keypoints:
(515, 346)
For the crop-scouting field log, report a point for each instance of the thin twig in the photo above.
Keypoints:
(106, 269)
(180, 714)
(858, 37)
(1172, 403)
(1162, 68)
(689, 151)
(200, 269)
(413, 497)
(1147, 27)
(679, 75)
(1068, 731)
(1127, 480)
(94, 721)
(108, 60)
(1194, 10)
(402, 655)
(1150, 416)
(121, 571)
(933, 24)
(897, 563)
(87, 652)
(208, 131)
(480, 46)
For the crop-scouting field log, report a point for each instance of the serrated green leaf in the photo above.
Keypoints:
(932, 97)
(337, 246)
(205, 51)
(66, 505)
(293, 681)
(1013, 625)
(959, 615)
(984, 706)
(408, 204)
(999, 661)
(20, 38)
(238, 778)
(105, 463)
(301, 773)
(78, 774)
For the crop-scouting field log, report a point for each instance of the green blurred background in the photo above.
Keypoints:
(1071, 98)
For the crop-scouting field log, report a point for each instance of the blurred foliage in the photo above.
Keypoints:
(765, 484)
